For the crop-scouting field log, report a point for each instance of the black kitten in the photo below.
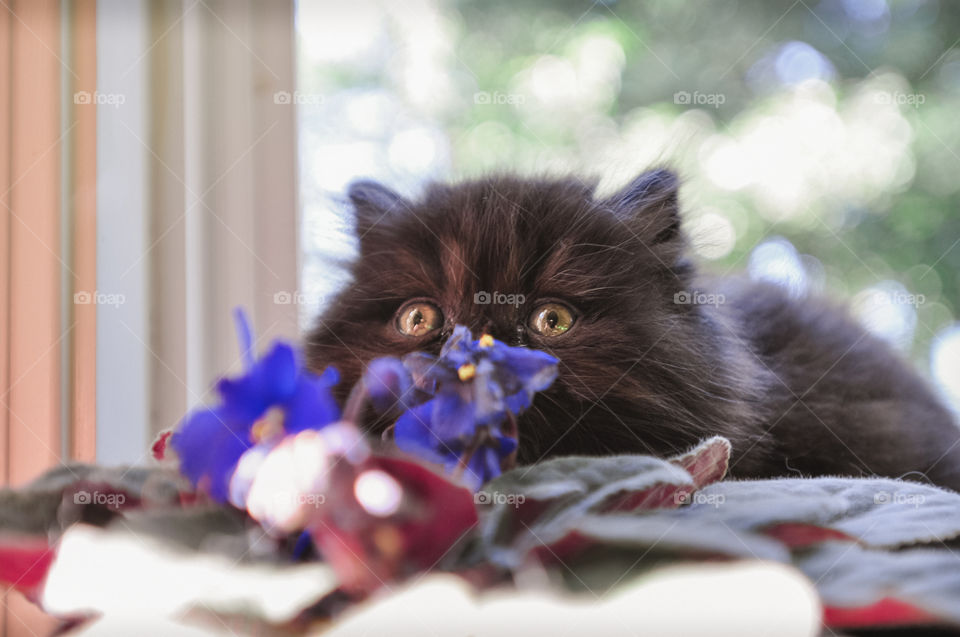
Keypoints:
(605, 286)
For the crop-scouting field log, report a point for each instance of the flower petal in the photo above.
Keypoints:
(488, 395)
(389, 384)
(413, 434)
(311, 406)
(277, 372)
(484, 465)
(209, 447)
(536, 369)
(460, 340)
(518, 402)
(271, 381)
(244, 337)
(329, 376)
(507, 445)
(452, 417)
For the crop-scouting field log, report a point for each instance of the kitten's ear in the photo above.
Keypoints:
(649, 206)
(373, 203)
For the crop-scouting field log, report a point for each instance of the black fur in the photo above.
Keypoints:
(797, 386)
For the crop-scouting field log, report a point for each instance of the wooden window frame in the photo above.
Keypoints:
(47, 249)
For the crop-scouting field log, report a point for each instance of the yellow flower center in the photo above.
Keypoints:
(389, 540)
(467, 371)
(486, 341)
(270, 425)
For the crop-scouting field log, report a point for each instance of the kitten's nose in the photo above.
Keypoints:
(510, 336)
(482, 325)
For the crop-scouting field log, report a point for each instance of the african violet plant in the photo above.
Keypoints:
(460, 407)
(273, 398)
(278, 446)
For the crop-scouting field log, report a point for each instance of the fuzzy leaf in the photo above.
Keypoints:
(537, 506)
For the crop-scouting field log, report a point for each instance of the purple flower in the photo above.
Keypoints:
(476, 385)
(275, 396)
(414, 433)
(388, 383)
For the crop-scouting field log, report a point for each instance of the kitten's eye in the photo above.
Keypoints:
(418, 318)
(551, 319)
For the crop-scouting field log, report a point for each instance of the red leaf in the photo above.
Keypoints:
(448, 510)
(159, 447)
(656, 497)
(707, 462)
(885, 612)
(800, 534)
(564, 549)
(368, 551)
(24, 563)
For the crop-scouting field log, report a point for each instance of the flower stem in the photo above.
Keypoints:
(479, 438)
(356, 401)
(512, 430)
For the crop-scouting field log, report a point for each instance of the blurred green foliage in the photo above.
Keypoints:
(833, 124)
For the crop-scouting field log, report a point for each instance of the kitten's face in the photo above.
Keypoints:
(536, 263)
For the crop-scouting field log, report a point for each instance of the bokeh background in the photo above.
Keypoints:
(819, 142)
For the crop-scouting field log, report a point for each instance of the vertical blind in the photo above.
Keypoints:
(47, 248)
(147, 187)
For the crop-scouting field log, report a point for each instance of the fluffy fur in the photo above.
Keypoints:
(797, 387)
